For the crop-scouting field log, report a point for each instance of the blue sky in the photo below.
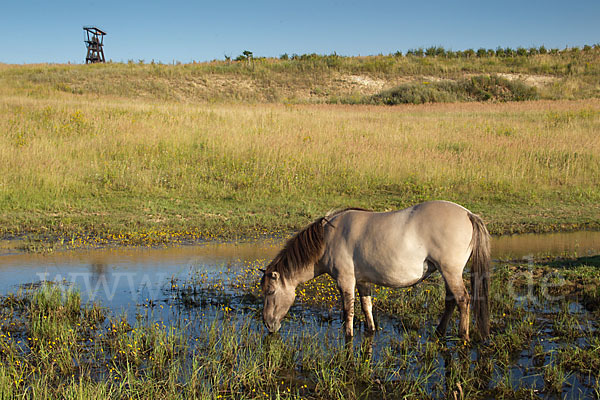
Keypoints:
(184, 30)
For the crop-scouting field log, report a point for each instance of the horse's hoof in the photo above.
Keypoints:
(370, 332)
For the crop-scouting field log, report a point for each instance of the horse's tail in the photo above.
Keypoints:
(480, 274)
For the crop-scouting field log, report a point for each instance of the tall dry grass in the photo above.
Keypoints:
(76, 162)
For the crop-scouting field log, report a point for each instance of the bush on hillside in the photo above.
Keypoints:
(476, 88)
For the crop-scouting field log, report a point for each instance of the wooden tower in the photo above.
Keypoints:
(94, 41)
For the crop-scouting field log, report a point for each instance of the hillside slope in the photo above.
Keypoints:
(318, 79)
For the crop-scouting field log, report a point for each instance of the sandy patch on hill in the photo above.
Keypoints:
(531, 80)
(359, 83)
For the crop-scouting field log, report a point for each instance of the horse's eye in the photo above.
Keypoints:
(270, 292)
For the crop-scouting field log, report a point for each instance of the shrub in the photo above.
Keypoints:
(477, 88)
(483, 88)
(430, 51)
(417, 93)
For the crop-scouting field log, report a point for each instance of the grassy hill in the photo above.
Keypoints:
(148, 153)
(441, 76)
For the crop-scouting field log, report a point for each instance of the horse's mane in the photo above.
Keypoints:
(304, 248)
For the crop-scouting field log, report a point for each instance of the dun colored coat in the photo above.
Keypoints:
(394, 249)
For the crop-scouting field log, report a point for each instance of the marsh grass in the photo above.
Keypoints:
(542, 340)
(53, 345)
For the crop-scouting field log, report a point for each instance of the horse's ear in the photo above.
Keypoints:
(275, 275)
(262, 270)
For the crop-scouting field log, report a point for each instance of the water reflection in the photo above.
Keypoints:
(583, 243)
(98, 270)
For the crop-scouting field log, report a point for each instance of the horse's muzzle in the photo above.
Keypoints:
(273, 326)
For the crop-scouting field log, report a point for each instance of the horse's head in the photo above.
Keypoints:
(291, 266)
(279, 297)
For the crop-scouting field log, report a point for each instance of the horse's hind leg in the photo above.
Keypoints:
(364, 291)
(460, 296)
(448, 310)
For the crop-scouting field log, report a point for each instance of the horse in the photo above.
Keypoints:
(397, 249)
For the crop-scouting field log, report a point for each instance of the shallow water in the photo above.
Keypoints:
(124, 278)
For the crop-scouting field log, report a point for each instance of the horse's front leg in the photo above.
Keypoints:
(347, 293)
(364, 291)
